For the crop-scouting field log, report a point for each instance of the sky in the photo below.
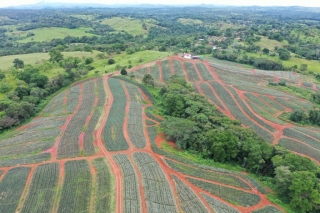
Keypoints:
(308, 3)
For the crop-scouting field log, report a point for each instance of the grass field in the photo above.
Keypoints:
(47, 34)
(7, 61)
(129, 25)
(268, 43)
(189, 21)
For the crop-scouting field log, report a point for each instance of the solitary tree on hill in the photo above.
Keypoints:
(17, 63)
(123, 71)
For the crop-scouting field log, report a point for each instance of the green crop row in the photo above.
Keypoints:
(302, 137)
(188, 199)
(55, 107)
(113, 130)
(191, 72)
(104, 189)
(151, 115)
(288, 103)
(131, 195)
(135, 121)
(210, 95)
(272, 103)
(302, 103)
(42, 190)
(300, 148)
(73, 98)
(158, 194)
(231, 195)
(11, 188)
(206, 75)
(21, 160)
(260, 103)
(232, 106)
(218, 206)
(309, 132)
(177, 66)
(143, 71)
(267, 209)
(208, 175)
(249, 112)
(307, 84)
(152, 132)
(150, 122)
(154, 72)
(142, 87)
(76, 191)
(166, 71)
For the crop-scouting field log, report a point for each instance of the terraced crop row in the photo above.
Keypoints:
(188, 199)
(104, 189)
(43, 124)
(267, 209)
(302, 103)
(260, 103)
(76, 191)
(41, 194)
(208, 175)
(205, 73)
(166, 71)
(229, 194)
(11, 187)
(307, 132)
(219, 206)
(288, 103)
(131, 195)
(73, 99)
(55, 107)
(249, 112)
(300, 148)
(150, 122)
(210, 95)
(302, 137)
(143, 71)
(135, 121)
(307, 84)
(158, 194)
(191, 71)
(272, 103)
(177, 66)
(21, 160)
(151, 115)
(154, 72)
(232, 106)
(69, 143)
(89, 132)
(113, 130)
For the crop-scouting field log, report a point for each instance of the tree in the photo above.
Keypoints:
(148, 79)
(303, 67)
(39, 80)
(298, 116)
(222, 145)
(89, 60)
(123, 71)
(55, 55)
(265, 50)
(304, 191)
(111, 61)
(17, 63)
(284, 54)
(2, 76)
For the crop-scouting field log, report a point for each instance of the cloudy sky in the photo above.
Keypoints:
(309, 3)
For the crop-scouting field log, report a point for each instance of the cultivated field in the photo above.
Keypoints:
(95, 148)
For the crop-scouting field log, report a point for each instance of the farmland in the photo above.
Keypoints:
(92, 149)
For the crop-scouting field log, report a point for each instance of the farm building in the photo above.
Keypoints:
(187, 55)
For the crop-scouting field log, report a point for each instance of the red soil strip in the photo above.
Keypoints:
(171, 66)
(26, 189)
(114, 167)
(81, 138)
(314, 87)
(160, 71)
(254, 71)
(149, 69)
(59, 186)
(276, 79)
(300, 83)
(197, 70)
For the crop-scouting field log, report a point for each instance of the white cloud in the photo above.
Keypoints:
(309, 3)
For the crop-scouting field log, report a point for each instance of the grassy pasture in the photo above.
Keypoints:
(129, 25)
(268, 43)
(47, 34)
(189, 21)
(7, 61)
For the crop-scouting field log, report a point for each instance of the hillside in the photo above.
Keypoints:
(94, 147)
